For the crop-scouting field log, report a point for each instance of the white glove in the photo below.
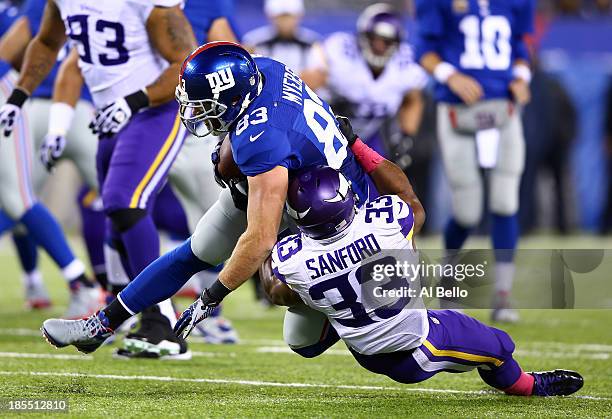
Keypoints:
(51, 150)
(114, 117)
(60, 120)
(9, 114)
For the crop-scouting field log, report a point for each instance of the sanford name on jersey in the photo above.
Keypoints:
(331, 276)
(340, 259)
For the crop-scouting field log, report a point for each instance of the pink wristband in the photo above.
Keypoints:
(367, 158)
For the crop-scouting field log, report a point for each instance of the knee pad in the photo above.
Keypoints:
(504, 193)
(467, 204)
(307, 331)
(124, 219)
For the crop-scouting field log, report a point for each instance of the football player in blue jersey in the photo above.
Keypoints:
(276, 126)
(475, 51)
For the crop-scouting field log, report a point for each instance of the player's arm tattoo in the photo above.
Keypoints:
(41, 54)
(172, 36)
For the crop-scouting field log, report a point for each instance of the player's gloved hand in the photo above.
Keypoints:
(113, 117)
(347, 129)
(200, 309)
(466, 87)
(51, 150)
(10, 112)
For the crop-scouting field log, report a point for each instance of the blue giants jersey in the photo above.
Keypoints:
(481, 38)
(202, 13)
(289, 125)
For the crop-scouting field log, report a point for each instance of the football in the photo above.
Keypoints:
(228, 169)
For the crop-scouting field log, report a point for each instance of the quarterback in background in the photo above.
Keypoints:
(476, 53)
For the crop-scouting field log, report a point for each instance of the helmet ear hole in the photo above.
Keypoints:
(236, 100)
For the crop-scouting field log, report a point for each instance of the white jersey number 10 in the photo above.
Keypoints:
(487, 43)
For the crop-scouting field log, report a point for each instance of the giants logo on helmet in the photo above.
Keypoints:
(221, 80)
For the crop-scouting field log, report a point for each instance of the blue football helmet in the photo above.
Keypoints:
(217, 83)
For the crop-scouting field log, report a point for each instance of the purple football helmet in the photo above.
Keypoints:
(380, 31)
(321, 201)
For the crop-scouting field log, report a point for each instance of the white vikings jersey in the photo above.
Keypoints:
(116, 56)
(338, 278)
(370, 100)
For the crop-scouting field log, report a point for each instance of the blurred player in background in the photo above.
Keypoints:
(371, 76)
(22, 177)
(129, 55)
(475, 51)
(284, 39)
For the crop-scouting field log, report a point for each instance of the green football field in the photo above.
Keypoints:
(260, 377)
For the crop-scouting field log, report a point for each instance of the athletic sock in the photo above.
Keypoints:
(33, 278)
(45, 230)
(27, 251)
(505, 234)
(523, 386)
(162, 279)
(80, 281)
(116, 314)
(455, 235)
(141, 244)
(167, 310)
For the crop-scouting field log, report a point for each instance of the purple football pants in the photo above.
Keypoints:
(456, 343)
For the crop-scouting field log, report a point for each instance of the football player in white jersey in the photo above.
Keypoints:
(329, 265)
(130, 54)
(371, 77)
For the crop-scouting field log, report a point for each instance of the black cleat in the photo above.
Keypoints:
(556, 383)
(155, 339)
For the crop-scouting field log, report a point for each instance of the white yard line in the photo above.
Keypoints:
(557, 350)
(214, 354)
(45, 356)
(287, 350)
(20, 332)
(257, 383)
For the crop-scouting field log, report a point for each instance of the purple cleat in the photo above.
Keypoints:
(556, 383)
